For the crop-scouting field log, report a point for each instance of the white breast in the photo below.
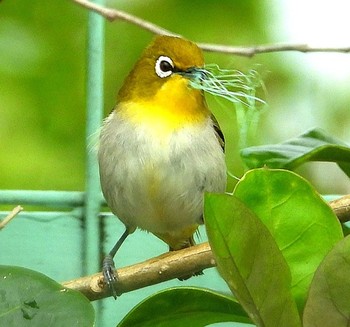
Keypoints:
(158, 184)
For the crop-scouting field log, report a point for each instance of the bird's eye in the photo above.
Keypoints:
(164, 66)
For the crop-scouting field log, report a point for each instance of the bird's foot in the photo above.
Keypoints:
(197, 273)
(109, 274)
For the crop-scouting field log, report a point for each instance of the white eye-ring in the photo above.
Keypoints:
(164, 66)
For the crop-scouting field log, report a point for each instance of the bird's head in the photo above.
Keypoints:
(164, 69)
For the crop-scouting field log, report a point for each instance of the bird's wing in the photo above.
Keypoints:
(218, 132)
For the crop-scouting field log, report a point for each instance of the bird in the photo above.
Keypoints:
(160, 149)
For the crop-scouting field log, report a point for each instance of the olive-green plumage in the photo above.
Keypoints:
(143, 81)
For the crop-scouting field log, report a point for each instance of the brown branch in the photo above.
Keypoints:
(169, 265)
(259, 49)
(153, 271)
(15, 211)
(114, 14)
(341, 208)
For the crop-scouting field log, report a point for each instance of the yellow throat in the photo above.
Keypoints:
(159, 96)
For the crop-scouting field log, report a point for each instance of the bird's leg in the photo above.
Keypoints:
(108, 267)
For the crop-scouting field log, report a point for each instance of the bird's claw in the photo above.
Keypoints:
(109, 274)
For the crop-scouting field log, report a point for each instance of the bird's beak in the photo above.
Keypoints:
(194, 74)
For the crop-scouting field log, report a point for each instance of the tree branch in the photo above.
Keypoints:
(168, 266)
(259, 49)
(15, 211)
(114, 14)
(341, 208)
(153, 271)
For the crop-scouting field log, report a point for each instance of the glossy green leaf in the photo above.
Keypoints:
(28, 298)
(314, 145)
(303, 225)
(184, 306)
(328, 304)
(250, 262)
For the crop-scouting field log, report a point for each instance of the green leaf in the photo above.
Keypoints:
(184, 306)
(301, 222)
(314, 145)
(250, 261)
(328, 304)
(28, 298)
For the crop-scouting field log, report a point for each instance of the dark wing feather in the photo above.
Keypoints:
(218, 133)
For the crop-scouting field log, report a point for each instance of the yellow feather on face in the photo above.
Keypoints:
(174, 106)
(143, 83)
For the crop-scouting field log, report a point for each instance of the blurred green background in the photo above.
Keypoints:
(42, 89)
(42, 77)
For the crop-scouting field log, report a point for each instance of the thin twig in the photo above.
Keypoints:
(153, 271)
(114, 14)
(259, 49)
(15, 211)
